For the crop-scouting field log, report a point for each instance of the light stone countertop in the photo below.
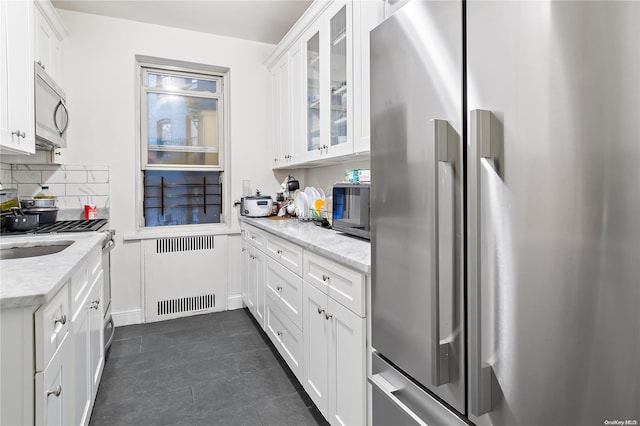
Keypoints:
(35, 280)
(350, 251)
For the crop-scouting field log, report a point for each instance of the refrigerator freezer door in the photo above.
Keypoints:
(553, 234)
(416, 195)
(399, 402)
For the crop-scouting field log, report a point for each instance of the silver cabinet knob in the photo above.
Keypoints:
(325, 278)
(55, 392)
(95, 304)
(279, 333)
(328, 316)
(279, 288)
(62, 320)
(279, 251)
(320, 311)
(41, 64)
(19, 133)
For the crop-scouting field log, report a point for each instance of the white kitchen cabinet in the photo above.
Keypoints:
(54, 389)
(329, 75)
(285, 289)
(48, 54)
(316, 353)
(255, 284)
(244, 264)
(286, 337)
(285, 253)
(334, 358)
(366, 16)
(341, 283)
(87, 335)
(17, 128)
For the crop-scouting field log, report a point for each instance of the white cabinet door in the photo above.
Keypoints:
(259, 264)
(286, 337)
(252, 291)
(275, 116)
(298, 102)
(81, 332)
(366, 16)
(96, 334)
(316, 351)
(17, 127)
(347, 366)
(54, 389)
(47, 47)
(244, 269)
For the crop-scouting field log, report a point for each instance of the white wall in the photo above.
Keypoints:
(99, 75)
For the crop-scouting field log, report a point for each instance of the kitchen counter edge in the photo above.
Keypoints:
(349, 251)
(34, 281)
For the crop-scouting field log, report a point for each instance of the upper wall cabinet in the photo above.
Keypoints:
(17, 128)
(30, 32)
(48, 37)
(323, 112)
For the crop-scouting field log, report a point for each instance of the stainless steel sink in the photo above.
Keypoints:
(33, 251)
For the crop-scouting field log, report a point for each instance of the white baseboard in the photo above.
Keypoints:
(234, 302)
(133, 316)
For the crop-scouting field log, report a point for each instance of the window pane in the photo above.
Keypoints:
(172, 82)
(182, 130)
(181, 198)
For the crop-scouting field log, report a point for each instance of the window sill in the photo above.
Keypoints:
(181, 231)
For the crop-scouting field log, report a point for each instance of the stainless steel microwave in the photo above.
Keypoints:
(351, 209)
(52, 117)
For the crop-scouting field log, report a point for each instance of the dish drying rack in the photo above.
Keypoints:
(320, 217)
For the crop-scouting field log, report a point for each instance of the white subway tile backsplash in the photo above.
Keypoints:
(86, 167)
(57, 189)
(101, 201)
(5, 175)
(28, 189)
(97, 176)
(39, 167)
(68, 202)
(87, 189)
(27, 176)
(65, 176)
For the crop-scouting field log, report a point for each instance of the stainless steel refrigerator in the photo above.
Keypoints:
(505, 207)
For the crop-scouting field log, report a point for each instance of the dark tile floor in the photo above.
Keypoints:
(215, 369)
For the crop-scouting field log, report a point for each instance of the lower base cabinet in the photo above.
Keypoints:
(322, 340)
(54, 388)
(334, 362)
(286, 337)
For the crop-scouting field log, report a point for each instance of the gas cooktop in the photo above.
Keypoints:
(64, 226)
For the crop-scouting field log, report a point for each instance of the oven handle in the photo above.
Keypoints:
(110, 245)
(113, 333)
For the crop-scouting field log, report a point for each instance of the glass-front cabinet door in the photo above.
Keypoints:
(314, 115)
(329, 84)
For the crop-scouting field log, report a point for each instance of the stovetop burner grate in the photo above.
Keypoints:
(64, 226)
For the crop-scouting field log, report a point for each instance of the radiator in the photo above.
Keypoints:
(184, 276)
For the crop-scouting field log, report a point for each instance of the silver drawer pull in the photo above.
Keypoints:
(320, 311)
(328, 316)
(95, 304)
(325, 278)
(279, 288)
(62, 320)
(279, 333)
(279, 251)
(56, 392)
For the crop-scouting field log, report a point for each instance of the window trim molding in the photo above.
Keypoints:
(225, 225)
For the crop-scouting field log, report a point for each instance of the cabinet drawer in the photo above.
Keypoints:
(51, 322)
(341, 283)
(54, 389)
(288, 254)
(286, 337)
(285, 289)
(255, 237)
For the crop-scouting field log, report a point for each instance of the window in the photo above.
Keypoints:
(181, 114)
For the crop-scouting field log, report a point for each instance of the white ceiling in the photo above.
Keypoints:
(266, 21)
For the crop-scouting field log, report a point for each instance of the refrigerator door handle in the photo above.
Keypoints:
(389, 391)
(484, 142)
(444, 138)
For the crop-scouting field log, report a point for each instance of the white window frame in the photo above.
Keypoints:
(173, 66)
